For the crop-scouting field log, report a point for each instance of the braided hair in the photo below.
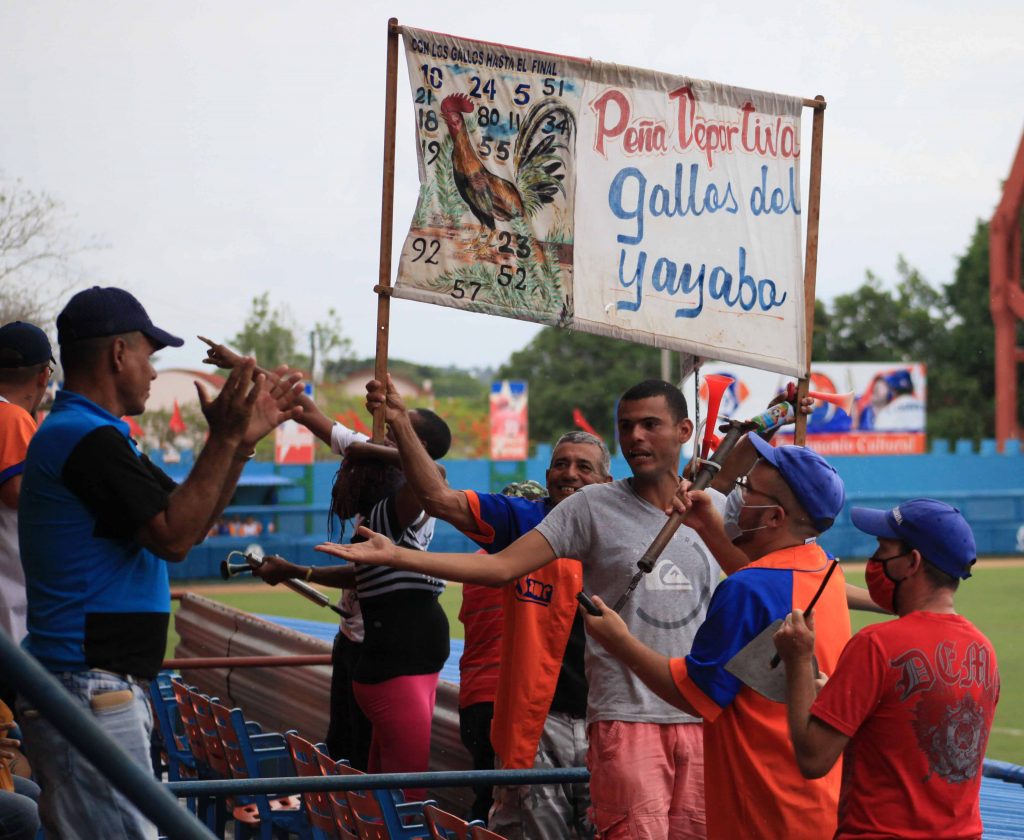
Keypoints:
(358, 485)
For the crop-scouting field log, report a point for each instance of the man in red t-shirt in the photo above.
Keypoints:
(911, 702)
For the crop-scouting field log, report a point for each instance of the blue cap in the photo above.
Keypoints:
(899, 381)
(23, 345)
(99, 312)
(813, 480)
(934, 528)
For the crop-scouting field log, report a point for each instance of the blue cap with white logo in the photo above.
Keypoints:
(813, 480)
(934, 528)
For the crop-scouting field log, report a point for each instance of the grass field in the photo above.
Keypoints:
(991, 599)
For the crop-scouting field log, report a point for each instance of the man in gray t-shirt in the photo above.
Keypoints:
(646, 758)
(607, 526)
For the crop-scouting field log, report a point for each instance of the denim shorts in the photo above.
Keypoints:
(76, 801)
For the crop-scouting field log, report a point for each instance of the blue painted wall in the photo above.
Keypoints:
(988, 488)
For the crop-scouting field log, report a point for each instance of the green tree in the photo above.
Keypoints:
(273, 337)
(948, 328)
(568, 370)
(328, 341)
(268, 333)
(874, 324)
(961, 381)
(37, 250)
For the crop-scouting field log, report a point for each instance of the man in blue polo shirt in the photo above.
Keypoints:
(97, 520)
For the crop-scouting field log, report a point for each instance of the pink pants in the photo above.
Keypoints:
(647, 780)
(401, 710)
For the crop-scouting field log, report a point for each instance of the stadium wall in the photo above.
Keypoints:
(986, 485)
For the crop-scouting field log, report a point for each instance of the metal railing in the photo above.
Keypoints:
(378, 781)
(46, 694)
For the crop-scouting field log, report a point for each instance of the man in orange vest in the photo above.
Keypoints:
(541, 697)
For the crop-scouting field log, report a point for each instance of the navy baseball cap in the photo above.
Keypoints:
(813, 480)
(23, 345)
(99, 312)
(934, 528)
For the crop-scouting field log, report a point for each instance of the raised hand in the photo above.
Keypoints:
(274, 405)
(384, 394)
(228, 415)
(220, 354)
(789, 395)
(701, 514)
(378, 550)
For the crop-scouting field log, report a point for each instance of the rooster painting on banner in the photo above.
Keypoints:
(493, 227)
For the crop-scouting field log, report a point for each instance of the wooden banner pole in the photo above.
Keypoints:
(387, 206)
(811, 255)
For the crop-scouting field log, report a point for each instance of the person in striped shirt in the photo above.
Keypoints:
(406, 630)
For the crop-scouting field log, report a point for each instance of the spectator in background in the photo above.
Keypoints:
(26, 363)
(19, 814)
(358, 485)
(405, 629)
(482, 617)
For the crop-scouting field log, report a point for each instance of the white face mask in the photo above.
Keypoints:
(731, 515)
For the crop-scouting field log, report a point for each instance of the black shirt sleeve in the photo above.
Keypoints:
(122, 489)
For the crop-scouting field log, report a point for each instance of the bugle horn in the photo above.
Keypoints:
(717, 384)
(230, 570)
(843, 401)
(310, 593)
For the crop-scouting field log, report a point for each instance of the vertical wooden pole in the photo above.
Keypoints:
(811, 257)
(387, 205)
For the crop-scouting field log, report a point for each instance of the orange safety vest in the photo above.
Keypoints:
(538, 612)
(539, 609)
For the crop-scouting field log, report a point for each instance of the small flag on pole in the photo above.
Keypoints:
(581, 421)
(176, 424)
(134, 429)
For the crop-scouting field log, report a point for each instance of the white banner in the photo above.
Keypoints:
(641, 205)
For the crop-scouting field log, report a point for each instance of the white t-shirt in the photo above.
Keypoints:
(608, 527)
(342, 437)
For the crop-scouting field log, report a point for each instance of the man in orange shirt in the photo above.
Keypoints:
(26, 361)
(753, 787)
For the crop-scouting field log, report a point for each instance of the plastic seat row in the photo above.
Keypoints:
(205, 740)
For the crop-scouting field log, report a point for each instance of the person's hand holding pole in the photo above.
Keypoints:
(794, 640)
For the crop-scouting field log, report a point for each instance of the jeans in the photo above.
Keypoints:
(77, 802)
(19, 816)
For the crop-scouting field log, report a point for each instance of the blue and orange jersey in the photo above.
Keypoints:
(753, 788)
(501, 520)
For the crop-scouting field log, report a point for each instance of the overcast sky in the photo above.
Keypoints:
(221, 149)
